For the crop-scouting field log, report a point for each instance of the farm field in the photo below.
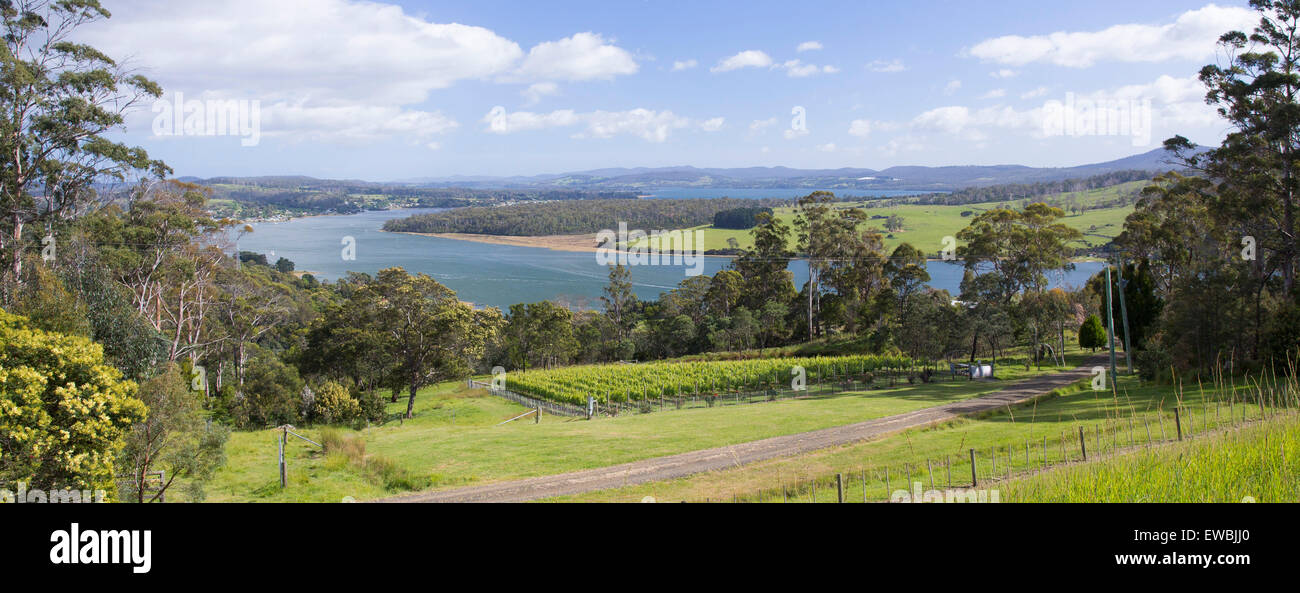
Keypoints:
(650, 381)
(1006, 435)
(925, 226)
(455, 441)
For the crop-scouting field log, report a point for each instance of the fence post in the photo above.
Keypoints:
(284, 474)
(1178, 423)
(839, 487)
(974, 479)
(1083, 444)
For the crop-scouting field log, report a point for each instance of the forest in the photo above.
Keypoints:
(573, 218)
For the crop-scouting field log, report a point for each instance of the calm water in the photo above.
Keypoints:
(680, 193)
(497, 275)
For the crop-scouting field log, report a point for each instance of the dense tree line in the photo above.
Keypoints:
(739, 218)
(1013, 192)
(571, 218)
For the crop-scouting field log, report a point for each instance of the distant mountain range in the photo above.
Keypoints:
(894, 178)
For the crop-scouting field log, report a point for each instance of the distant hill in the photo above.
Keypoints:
(894, 178)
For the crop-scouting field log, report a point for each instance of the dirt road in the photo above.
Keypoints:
(685, 464)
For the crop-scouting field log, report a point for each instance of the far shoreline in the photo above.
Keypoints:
(585, 243)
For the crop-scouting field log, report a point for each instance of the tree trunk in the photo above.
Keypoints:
(410, 403)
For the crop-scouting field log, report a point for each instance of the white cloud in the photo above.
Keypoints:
(792, 133)
(1038, 92)
(536, 91)
(1003, 73)
(746, 59)
(684, 65)
(829, 69)
(334, 70)
(828, 147)
(1175, 104)
(994, 94)
(860, 127)
(502, 122)
(584, 56)
(809, 46)
(1193, 35)
(653, 126)
(353, 123)
(952, 87)
(759, 126)
(952, 119)
(883, 66)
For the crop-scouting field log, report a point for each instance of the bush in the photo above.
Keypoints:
(270, 393)
(335, 404)
(1092, 334)
(64, 413)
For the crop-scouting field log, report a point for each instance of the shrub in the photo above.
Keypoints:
(64, 413)
(270, 393)
(335, 404)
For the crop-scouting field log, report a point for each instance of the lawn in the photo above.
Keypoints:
(454, 438)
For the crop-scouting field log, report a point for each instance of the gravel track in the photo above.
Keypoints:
(719, 458)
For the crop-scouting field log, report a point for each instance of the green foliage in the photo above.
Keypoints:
(175, 438)
(739, 218)
(572, 217)
(63, 413)
(627, 383)
(62, 100)
(270, 395)
(335, 405)
(1092, 334)
(539, 334)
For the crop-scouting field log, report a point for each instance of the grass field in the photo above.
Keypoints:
(1019, 440)
(454, 439)
(925, 226)
(1257, 463)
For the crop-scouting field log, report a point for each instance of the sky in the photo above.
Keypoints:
(387, 91)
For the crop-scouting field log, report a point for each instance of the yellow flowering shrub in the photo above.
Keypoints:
(63, 412)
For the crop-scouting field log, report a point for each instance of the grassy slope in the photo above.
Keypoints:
(475, 450)
(1057, 419)
(1258, 461)
(926, 226)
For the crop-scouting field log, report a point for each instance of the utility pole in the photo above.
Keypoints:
(1123, 309)
(1110, 325)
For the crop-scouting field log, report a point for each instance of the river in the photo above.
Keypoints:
(499, 275)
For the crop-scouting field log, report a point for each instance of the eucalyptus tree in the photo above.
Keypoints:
(59, 100)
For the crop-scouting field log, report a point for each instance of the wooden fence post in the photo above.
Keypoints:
(839, 487)
(1178, 423)
(974, 479)
(284, 473)
(1083, 444)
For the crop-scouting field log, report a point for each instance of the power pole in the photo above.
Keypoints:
(1110, 325)
(1123, 309)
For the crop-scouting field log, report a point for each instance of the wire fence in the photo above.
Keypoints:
(972, 474)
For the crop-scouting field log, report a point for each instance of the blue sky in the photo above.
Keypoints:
(393, 91)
